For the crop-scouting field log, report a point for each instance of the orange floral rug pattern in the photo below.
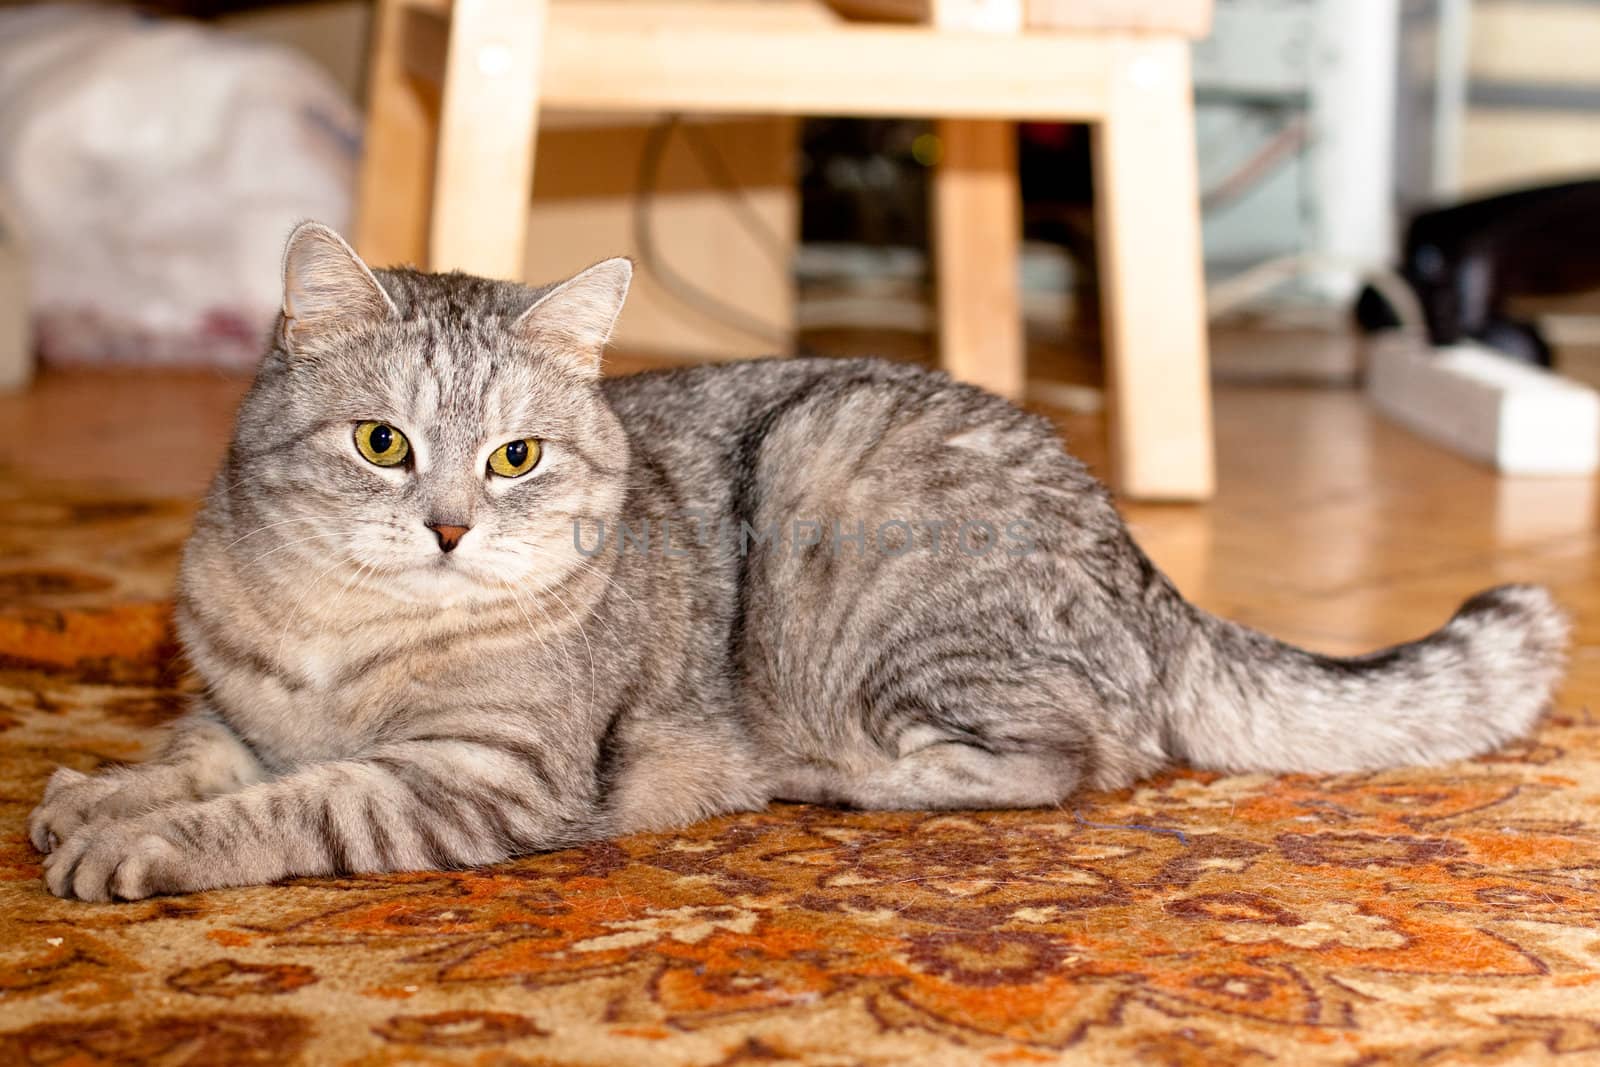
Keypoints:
(1423, 917)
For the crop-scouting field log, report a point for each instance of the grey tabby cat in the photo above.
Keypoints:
(454, 597)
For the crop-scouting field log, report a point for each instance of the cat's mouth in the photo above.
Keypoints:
(452, 571)
(440, 582)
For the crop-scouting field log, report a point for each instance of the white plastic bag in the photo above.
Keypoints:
(155, 168)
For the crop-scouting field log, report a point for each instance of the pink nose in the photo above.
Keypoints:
(449, 536)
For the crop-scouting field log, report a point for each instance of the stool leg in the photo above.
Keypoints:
(489, 119)
(977, 230)
(396, 184)
(1152, 280)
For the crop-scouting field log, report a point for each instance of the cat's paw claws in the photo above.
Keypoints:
(74, 801)
(112, 862)
(70, 800)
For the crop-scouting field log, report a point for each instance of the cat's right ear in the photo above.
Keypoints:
(326, 287)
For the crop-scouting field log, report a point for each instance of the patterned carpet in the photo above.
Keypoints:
(1427, 917)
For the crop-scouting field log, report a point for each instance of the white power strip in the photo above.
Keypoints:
(1520, 419)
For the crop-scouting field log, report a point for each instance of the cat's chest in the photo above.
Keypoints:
(336, 694)
(335, 697)
(318, 669)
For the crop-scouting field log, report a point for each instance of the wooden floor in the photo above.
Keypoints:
(1332, 528)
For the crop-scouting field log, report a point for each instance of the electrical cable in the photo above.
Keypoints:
(676, 285)
(716, 167)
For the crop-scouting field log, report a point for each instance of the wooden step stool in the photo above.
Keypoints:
(446, 184)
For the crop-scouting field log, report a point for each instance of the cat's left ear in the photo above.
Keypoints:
(577, 316)
(326, 287)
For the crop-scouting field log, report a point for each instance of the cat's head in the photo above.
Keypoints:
(440, 435)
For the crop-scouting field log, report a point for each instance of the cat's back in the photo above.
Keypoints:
(736, 425)
(718, 399)
(737, 409)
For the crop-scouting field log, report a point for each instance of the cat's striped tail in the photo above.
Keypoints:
(1246, 702)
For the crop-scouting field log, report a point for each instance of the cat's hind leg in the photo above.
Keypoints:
(989, 728)
(937, 771)
(972, 746)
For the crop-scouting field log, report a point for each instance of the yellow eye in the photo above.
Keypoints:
(382, 444)
(516, 458)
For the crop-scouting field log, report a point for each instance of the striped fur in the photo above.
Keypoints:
(374, 704)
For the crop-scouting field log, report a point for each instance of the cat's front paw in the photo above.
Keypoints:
(71, 800)
(127, 860)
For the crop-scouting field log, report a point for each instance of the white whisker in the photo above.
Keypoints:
(294, 612)
(357, 579)
(268, 526)
(516, 599)
(611, 582)
(583, 633)
(288, 544)
(612, 630)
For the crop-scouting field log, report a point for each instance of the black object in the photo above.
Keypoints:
(1466, 262)
(860, 182)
